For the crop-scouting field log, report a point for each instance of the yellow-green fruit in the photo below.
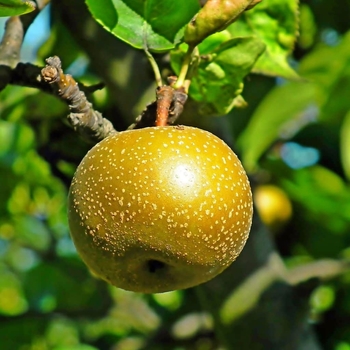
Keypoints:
(159, 209)
(273, 206)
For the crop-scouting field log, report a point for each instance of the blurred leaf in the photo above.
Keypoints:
(16, 7)
(343, 346)
(345, 145)
(320, 182)
(19, 333)
(246, 296)
(33, 168)
(12, 300)
(329, 68)
(275, 22)
(308, 27)
(64, 285)
(21, 259)
(170, 300)
(191, 324)
(11, 98)
(60, 41)
(76, 347)
(287, 107)
(62, 333)
(128, 305)
(326, 64)
(16, 138)
(32, 232)
(20, 199)
(273, 117)
(145, 24)
(321, 227)
(50, 107)
(322, 298)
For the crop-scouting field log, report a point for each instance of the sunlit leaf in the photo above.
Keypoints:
(275, 22)
(213, 41)
(152, 24)
(218, 81)
(16, 7)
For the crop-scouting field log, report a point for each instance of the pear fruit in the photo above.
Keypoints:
(159, 208)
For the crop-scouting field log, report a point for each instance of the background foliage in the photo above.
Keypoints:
(294, 134)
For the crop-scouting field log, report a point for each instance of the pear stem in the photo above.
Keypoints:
(184, 68)
(165, 96)
(154, 65)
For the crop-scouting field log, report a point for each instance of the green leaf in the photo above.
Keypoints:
(64, 285)
(326, 64)
(345, 145)
(12, 300)
(32, 232)
(210, 43)
(308, 27)
(219, 79)
(329, 67)
(16, 7)
(327, 72)
(322, 299)
(15, 138)
(275, 22)
(76, 347)
(156, 25)
(323, 188)
(60, 41)
(284, 109)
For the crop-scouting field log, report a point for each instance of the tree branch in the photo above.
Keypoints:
(84, 119)
(322, 269)
(11, 43)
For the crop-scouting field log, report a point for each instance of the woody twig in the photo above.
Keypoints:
(11, 71)
(89, 123)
